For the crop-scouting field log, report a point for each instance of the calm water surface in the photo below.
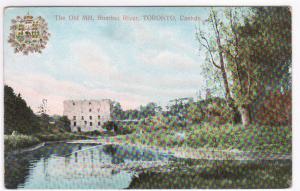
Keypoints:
(88, 166)
(75, 166)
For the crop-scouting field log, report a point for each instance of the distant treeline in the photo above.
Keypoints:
(183, 108)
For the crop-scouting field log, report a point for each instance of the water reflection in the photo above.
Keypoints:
(86, 166)
(74, 166)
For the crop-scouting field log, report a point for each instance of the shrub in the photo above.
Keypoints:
(63, 123)
(92, 133)
(213, 110)
(237, 136)
(276, 109)
(218, 112)
(110, 125)
(126, 129)
(12, 142)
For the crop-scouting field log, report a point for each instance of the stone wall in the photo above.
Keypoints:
(87, 115)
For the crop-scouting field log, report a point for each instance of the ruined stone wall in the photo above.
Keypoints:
(87, 115)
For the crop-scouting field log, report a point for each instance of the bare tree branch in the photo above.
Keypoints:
(200, 36)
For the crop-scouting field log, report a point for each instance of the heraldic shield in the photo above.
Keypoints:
(29, 34)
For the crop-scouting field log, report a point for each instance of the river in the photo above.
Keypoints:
(94, 166)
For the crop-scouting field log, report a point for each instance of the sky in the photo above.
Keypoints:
(132, 62)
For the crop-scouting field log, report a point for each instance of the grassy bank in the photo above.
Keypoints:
(219, 137)
(13, 142)
(19, 141)
(210, 174)
(224, 137)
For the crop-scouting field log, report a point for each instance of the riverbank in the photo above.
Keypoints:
(216, 174)
(193, 153)
(260, 138)
(19, 142)
(224, 142)
(207, 141)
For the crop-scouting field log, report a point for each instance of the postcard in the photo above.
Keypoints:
(147, 97)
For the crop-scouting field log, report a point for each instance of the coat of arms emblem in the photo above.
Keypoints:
(29, 34)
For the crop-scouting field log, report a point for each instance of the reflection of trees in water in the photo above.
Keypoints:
(70, 162)
(115, 171)
(17, 166)
(76, 157)
(92, 156)
(67, 160)
(58, 150)
(16, 171)
(112, 151)
(119, 153)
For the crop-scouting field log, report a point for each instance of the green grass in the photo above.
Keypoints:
(216, 174)
(225, 137)
(59, 136)
(208, 135)
(253, 137)
(13, 142)
(19, 141)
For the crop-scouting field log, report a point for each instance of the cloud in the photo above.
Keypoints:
(160, 38)
(170, 61)
(93, 58)
(158, 65)
(35, 87)
(98, 64)
(129, 92)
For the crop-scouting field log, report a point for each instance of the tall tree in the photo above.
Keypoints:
(148, 110)
(254, 52)
(117, 112)
(213, 45)
(258, 53)
(243, 74)
(17, 115)
(268, 35)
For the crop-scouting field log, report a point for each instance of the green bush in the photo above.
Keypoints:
(213, 110)
(59, 136)
(92, 133)
(226, 136)
(17, 141)
(126, 129)
(237, 136)
(110, 126)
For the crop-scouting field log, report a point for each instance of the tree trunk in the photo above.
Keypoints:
(245, 114)
(236, 115)
(230, 100)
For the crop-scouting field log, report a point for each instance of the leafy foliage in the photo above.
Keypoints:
(258, 51)
(251, 48)
(16, 141)
(17, 115)
(63, 123)
(145, 111)
(240, 137)
(116, 111)
(275, 110)
(110, 125)
(226, 136)
(213, 110)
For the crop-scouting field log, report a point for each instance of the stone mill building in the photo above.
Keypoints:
(87, 115)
